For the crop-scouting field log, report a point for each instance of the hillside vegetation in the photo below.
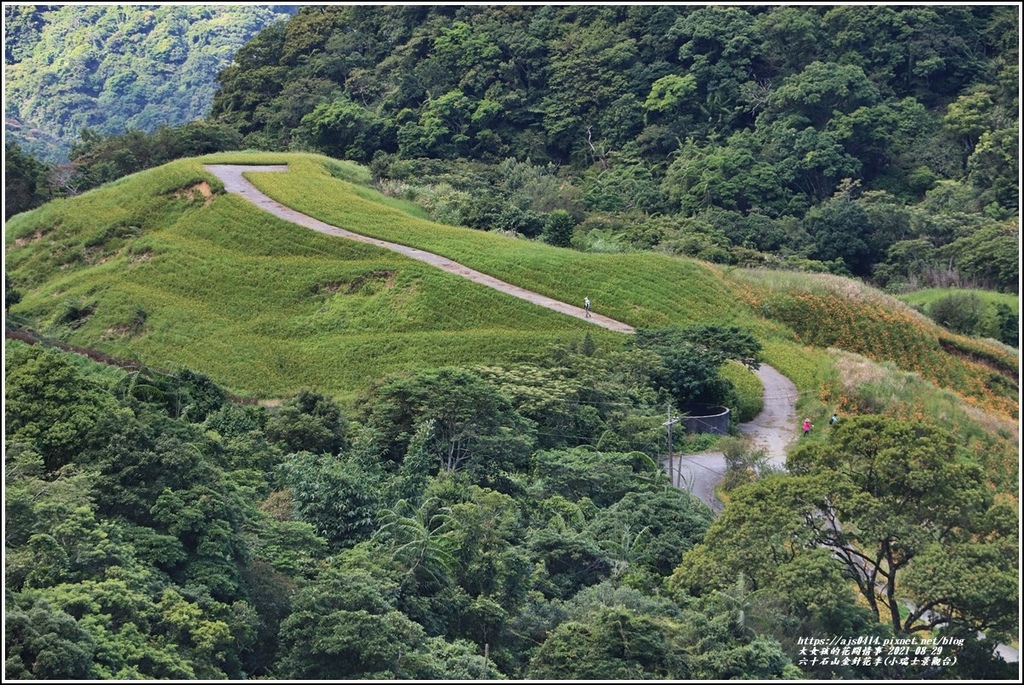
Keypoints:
(109, 69)
(310, 458)
(874, 141)
(981, 313)
(152, 266)
(921, 299)
(449, 472)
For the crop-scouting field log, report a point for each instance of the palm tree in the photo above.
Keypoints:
(138, 384)
(417, 538)
(628, 549)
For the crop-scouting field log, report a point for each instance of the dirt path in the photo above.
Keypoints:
(234, 182)
(772, 430)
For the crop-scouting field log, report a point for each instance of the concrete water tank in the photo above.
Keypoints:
(702, 418)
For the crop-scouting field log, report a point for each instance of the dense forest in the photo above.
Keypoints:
(876, 141)
(112, 68)
(512, 520)
(880, 142)
(447, 528)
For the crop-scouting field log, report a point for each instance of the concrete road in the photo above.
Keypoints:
(772, 431)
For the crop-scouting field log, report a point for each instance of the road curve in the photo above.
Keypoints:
(234, 182)
(772, 430)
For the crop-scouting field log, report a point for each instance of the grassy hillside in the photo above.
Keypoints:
(163, 266)
(149, 267)
(643, 289)
(832, 312)
(922, 299)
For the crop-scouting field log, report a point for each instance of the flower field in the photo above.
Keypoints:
(163, 266)
(885, 330)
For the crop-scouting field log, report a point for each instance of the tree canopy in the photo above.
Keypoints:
(114, 69)
(173, 534)
(753, 136)
(896, 508)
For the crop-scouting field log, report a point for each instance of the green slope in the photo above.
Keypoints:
(641, 289)
(164, 267)
(926, 297)
(262, 305)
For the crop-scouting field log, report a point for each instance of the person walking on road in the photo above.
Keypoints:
(586, 305)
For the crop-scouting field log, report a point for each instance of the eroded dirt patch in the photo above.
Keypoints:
(192, 193)
(34, 238)
(116, 332)
(386, 279)
(144, 256)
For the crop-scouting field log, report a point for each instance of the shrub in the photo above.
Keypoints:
(1008, 325)
(558, 228)
(959, 312)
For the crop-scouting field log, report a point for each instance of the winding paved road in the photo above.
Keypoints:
(235, 182)
(772, 430)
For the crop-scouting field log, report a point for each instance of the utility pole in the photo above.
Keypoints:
(671, 458)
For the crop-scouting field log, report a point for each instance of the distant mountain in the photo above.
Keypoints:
(115, 68)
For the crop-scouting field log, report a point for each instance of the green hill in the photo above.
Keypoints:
(971, 311)
(136, 499)
(147, 267)
(164, 267)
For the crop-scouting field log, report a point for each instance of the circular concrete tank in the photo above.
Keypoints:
(702, 418)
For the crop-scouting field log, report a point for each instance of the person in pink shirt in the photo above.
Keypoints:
(807, 426)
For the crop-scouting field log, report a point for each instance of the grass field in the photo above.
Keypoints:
(642, 289)
(141, 269)
(749, 389)
(924, 298)
(832, 312)
(163, 266)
